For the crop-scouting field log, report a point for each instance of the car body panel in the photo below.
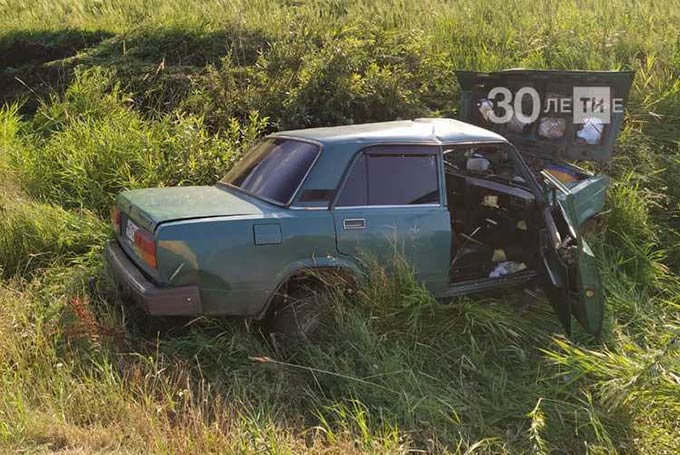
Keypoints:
(420, 130)
(589, 197)
(237, 276)
(588, 308)
(152, 206)
(576, 285)
(342, 143)
(154, 299)
(422, 234)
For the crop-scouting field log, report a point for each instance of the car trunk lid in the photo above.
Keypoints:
(146, 209)
(153, 206)
(555, 134)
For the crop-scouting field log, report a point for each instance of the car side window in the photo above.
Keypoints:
(355, 191)
(400, 175)
(491, 162)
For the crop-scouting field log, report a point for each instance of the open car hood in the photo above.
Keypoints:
(592, 141)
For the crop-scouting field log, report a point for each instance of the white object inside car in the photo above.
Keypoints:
(477, 164)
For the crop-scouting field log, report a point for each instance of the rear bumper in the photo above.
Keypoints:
(153, 299)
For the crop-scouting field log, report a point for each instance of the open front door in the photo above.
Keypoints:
(572, 279)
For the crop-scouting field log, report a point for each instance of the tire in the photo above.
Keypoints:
(299, 316)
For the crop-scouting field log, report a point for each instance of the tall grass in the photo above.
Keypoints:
(482, 375)
(61, 160)
(169, 92)
(35, 235)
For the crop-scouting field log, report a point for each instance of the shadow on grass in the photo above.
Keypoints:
(158, 63)
(22, 48)
(33, 64)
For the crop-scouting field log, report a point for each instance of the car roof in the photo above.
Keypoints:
(432, 130)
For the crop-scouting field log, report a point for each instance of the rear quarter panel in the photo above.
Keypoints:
(236, 276)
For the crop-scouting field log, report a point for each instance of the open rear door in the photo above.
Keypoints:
(572, 279)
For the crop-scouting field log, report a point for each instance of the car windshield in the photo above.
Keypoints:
(273, 169)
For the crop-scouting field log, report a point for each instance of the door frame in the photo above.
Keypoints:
(487, 284)
(528, 176)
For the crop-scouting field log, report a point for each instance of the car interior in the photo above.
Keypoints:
(493, 214)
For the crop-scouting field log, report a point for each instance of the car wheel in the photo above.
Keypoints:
(299, 315)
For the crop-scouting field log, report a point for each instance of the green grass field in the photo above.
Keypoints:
(97, 96)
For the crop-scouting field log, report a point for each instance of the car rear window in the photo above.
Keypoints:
(274, 169)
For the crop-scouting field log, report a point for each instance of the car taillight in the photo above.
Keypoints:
(146, 247)
(115, 219)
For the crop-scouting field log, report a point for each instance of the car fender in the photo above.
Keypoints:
(313, 264)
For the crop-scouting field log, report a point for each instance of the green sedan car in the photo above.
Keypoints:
(471, 209)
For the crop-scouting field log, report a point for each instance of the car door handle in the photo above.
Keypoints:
(354, 223)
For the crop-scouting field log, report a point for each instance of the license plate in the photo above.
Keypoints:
(130, 230)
